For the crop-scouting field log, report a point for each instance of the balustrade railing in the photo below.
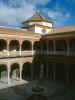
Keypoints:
(57, 53)
(27, 53)
(16, 53)
(31, 53)
(3, 54)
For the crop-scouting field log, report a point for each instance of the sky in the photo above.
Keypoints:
(14, 12)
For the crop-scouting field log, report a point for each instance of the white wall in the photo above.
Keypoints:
(39, 23)
(39, 30)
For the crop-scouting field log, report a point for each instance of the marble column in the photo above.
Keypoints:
(8, 49)
(21, 65)
(8, 70)
(20, 48)
(8, 77)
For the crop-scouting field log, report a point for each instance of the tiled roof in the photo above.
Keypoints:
(62, 30)
(17, 31)
(37, 17)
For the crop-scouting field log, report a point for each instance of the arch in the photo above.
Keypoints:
(3, 72)
(15, 71)
(72, 45)
(36, 45)
(26, 71)
(14, 45)
(26, 45)
(61, 45)
(3, 44)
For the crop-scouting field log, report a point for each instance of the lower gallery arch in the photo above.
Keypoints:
(3, 72)
(15, 71)
(26, 71)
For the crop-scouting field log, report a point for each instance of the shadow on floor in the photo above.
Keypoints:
(53, 91)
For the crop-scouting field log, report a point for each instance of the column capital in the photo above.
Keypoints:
(20, 41)
(32, 42)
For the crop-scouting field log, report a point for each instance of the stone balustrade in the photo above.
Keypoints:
(31, 53)
(16, 53)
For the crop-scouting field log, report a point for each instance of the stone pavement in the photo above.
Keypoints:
(55, 91)
(12, 91)
(4, 84)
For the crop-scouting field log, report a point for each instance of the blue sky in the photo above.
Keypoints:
(13, 12)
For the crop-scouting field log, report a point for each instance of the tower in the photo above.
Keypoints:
(38, 24)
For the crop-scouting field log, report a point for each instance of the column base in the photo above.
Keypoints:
(20, 79)
(8, 82)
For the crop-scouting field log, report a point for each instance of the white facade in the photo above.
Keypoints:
(39, 23)
(40, 30)
(37, 29)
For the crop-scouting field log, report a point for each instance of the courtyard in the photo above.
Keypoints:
(23, 90)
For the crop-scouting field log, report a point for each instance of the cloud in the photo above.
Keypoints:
(13, 12)
(16, 11)
(10, 15)
(41, 2)
(58, 15)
